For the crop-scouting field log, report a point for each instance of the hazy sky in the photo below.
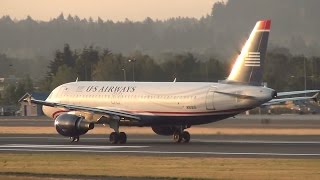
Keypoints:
(106, 9)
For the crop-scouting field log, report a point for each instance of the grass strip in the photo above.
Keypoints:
(40, 176)
(86, 165)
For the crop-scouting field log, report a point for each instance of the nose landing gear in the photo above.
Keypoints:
(75, 139)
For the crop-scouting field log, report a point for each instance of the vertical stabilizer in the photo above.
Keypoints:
(248, 68)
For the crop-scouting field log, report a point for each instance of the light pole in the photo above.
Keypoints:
(124, 74)
(133, 62)
(305, 74)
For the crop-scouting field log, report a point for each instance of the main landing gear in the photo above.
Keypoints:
(181, 136)
(120, 138)
(116, 137)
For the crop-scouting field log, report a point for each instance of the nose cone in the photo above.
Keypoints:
(45, 110)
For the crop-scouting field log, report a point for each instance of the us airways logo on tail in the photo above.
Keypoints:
(252, 59)
(248, 68)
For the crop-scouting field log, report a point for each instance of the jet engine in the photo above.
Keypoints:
(72, 125)
(164, 130)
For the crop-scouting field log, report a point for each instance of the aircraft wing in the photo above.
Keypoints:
(70, 107)
(278, 101)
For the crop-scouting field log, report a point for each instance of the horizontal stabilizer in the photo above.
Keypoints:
(290, 93)
(278, 101)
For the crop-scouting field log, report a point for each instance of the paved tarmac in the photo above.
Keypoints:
(216, 145)
(260, 146)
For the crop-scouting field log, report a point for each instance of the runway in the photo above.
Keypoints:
(220, 146)
(292, 146)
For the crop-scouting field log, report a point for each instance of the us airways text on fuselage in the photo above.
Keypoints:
(111, 89)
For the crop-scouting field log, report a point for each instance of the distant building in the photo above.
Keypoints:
(8, 110)
(9, 80)
(27, 109)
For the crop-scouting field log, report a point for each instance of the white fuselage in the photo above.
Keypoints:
(197, 103)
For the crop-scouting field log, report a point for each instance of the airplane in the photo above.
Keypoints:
(169, 108)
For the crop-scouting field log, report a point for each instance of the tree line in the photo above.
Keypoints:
(283, 71)
(96, 64)
(219, 33)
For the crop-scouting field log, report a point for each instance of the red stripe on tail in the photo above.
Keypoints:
(264, 25)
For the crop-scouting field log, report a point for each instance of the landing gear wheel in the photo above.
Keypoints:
(122, 138)
(113, 138)
(75, 139)
(185, 137)
(177, 137)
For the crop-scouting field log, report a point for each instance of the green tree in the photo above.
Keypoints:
(13, 92)
(213, 70)
(28, 84)
(5, 65)
(64, 74)
(85, 62)
(9, 94)
(67, 57)
(109, 68)
(145, 67)
(184, 67)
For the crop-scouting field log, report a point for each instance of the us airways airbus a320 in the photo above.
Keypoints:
(169, 108)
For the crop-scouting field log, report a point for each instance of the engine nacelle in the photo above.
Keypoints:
(72, 125)
(164, 130)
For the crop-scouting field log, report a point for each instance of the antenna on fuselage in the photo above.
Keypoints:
(77, 79)
(175, 80)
